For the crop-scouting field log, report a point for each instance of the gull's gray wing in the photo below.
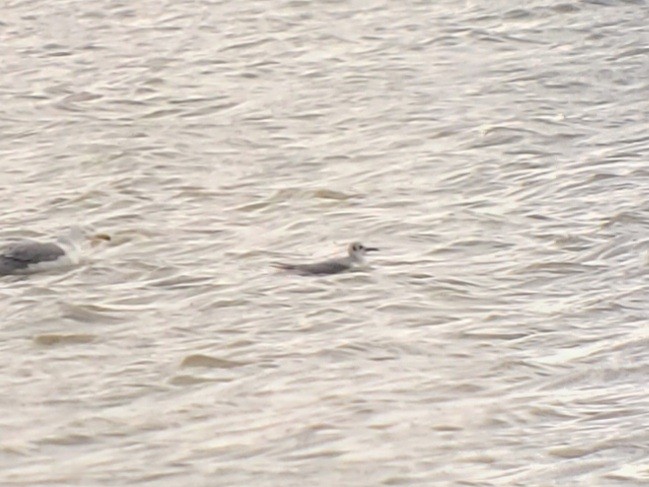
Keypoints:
(327, 267)
(21, 254)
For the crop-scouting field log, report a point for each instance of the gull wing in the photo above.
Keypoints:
(321, 268)
(28, 252)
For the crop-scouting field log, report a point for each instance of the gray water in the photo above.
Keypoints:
(496, 152)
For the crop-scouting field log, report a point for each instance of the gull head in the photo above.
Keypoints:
(357, 251)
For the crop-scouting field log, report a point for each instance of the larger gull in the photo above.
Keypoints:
(28, 255)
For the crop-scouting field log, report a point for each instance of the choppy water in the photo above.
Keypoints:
(498, 155)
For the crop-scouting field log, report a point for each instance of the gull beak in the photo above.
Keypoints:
(371, 249)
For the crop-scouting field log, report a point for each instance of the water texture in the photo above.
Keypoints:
(496, 152)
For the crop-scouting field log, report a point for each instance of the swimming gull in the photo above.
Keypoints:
(29, 255)
(356, 256)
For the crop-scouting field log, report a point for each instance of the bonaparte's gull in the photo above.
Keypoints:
(29, 255)
(356, 256)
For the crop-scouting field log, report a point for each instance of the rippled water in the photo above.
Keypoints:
(498, 155)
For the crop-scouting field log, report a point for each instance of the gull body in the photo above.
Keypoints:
(20, 256)
(356, 253)
(27, 256)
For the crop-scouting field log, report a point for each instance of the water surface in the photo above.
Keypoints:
(496, 153)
